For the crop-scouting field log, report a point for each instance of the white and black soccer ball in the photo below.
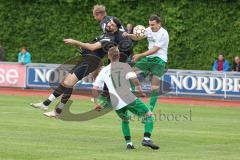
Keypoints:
(139, 31)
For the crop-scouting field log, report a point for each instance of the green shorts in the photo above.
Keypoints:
(154, 65)
(137, 107)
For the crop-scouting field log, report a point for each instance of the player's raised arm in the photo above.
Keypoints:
(131, 36)
(88, 46)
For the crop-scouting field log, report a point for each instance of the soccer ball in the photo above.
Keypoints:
(139, 31)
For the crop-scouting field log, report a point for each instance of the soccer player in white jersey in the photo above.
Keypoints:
(153, 61)
(116, 76)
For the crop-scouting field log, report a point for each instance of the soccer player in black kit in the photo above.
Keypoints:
(100, 14)
(93, 52)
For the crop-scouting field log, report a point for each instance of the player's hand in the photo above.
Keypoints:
(98, 108)
(136, 57)
(125, 34)
(69, 41)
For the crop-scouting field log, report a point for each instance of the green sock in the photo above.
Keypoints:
(125, 129)
(153, 99)
(148, 124)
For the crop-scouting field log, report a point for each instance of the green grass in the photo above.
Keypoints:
(212, 133)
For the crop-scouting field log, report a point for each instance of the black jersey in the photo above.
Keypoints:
(108, 40)
(124, 44)
(105, 41)
(105, 21)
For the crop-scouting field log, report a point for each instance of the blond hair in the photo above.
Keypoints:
(99, 9)
(113, 53)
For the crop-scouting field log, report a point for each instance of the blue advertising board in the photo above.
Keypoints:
(206, 84)
(38, 76)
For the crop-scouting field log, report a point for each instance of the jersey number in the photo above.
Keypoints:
(115, 76)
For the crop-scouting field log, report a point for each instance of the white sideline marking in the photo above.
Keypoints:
(8, 113)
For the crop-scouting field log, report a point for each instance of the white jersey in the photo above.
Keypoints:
(158, 39)
(116, 76)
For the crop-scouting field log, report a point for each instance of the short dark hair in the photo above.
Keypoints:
(220, 53)
(155, 17)
(117, 22)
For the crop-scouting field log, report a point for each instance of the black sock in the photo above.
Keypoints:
(58, 110)
(66, 95)
(146, 134)
(57, 92)
(47, 102)
(127, 138)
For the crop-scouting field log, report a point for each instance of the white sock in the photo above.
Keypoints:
(61, 105)
(129, 143)
(51, 97)
(146, 138)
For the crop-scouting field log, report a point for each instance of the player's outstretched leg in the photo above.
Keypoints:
(65, 97)
(44, 105)
(67, 84)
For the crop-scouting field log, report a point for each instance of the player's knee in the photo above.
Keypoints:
(148, 117)
(155, 87)
(125, 119)
(148, 114)
(68, 82)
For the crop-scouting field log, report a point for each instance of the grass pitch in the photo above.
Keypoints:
(182, 131)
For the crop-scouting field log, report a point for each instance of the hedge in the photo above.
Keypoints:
(198, 30)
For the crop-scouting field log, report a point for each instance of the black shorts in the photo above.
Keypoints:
(88, 64)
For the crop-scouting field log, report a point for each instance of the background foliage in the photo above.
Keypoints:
(198, 30)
